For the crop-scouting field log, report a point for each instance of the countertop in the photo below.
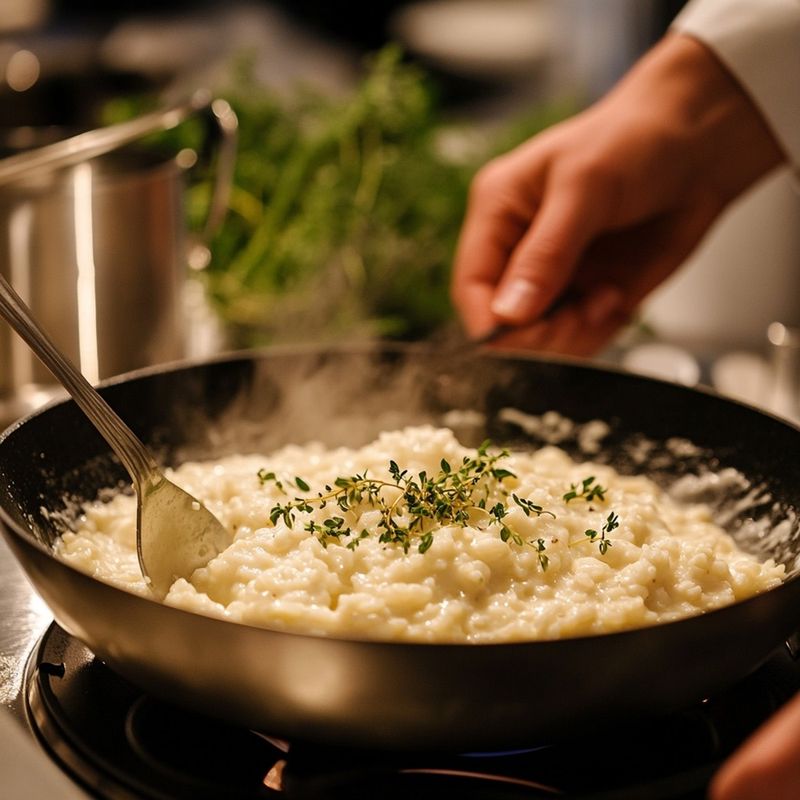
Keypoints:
(27, 772)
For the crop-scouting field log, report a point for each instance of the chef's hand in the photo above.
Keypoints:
(767, 766)
(603, 207)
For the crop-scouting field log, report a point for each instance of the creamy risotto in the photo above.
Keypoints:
(417, 538)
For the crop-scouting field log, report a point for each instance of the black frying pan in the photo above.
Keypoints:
(398, 694)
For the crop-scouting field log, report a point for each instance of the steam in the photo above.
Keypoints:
(314, 398)
(301, 395)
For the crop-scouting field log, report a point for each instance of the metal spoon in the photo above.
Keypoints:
(500, 329)
(175, 532)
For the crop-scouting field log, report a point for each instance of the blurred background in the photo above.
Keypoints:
(358, 132)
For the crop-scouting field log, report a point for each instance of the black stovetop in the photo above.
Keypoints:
(120, 743)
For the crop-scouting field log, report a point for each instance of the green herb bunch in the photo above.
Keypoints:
(345, 208)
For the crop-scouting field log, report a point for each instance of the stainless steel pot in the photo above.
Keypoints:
(92, 236)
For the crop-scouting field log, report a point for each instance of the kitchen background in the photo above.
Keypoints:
(358, 132)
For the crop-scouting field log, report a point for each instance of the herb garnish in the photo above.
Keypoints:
(265, 477)
(586, 491)
(498, 511)
(612, 522)
(411, 506)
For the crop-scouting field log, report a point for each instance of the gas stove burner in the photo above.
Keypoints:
(112, 736)
(121, 743)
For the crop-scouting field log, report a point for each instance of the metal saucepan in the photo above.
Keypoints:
(405, 695)
(92, 226)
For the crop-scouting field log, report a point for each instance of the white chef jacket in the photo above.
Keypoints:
(759, 42)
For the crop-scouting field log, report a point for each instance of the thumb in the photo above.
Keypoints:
(544, 261)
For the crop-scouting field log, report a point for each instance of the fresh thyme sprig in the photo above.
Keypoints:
(610, 524)
(499, 511)
(266, 477)
(411, 505)
(587, 489)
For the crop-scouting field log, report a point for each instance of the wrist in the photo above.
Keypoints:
(721, 132)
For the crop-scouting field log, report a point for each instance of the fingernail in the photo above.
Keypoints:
(517, 300)
(603, 303)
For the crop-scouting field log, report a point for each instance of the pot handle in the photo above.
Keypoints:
(99, 141)
(223, 117)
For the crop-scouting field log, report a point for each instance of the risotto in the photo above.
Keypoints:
(417, 538)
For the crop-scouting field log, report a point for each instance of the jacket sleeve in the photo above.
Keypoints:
(759, 42)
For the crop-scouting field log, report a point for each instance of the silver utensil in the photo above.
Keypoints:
(500, 329)
(175, 532)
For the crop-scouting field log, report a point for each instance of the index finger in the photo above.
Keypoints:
(499, 212)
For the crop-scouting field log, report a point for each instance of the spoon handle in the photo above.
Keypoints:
(119, 436)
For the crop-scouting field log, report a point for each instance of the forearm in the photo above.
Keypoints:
(703, 123)
(759, 43)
